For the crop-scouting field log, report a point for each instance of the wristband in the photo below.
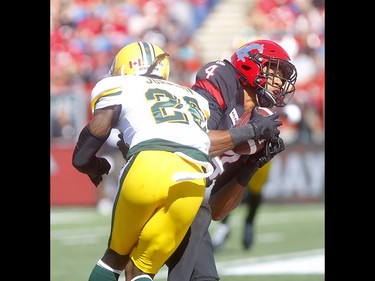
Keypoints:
(241, 133)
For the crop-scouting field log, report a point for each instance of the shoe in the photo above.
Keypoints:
(248, 236)
(219, 236)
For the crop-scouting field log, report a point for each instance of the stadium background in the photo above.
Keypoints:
(85, 35)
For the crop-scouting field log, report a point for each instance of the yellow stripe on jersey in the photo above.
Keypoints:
(112, 92)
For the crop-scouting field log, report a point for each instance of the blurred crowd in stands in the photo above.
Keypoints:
(86, 34)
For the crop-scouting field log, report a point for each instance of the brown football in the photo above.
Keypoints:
(251, 146)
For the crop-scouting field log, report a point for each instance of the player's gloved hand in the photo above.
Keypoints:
(265, 127)
(258, 160)
(103, 168)
(124, 148)
(271, 149)
(258, 127)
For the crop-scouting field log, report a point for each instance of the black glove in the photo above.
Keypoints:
(258, 160)
(265, 127)
(271, 149)
(124, 148)
(258, 127)
(103, 168)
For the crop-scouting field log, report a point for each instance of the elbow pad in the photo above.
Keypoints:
(84, 159)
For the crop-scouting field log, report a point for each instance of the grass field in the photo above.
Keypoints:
(288, 244)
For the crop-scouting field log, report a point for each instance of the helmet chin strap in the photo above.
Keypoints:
(264, 99)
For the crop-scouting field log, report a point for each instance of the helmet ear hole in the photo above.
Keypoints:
(243, 77)
(245, 67)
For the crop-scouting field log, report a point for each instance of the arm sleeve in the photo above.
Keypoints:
(84, 159)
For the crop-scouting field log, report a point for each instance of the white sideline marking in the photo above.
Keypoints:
(71, 217)
(300, 265)
(309, 262)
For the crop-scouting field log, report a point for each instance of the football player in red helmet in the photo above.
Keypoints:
(261, 72)
(263, 64)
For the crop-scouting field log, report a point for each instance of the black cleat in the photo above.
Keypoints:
(248, 236)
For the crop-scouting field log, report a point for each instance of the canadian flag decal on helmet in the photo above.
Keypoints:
(135, 63)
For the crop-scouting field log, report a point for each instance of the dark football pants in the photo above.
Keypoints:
(194, 259)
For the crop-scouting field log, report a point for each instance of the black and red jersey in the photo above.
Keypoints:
(218, 83)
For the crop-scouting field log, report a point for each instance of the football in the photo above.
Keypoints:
(251, 146)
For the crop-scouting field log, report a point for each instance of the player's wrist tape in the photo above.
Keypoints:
(242, 133)
(84, 159)
(244, 174)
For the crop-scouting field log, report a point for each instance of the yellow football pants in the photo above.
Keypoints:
(151, 212)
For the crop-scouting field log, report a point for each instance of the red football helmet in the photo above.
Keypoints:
(250, 61)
